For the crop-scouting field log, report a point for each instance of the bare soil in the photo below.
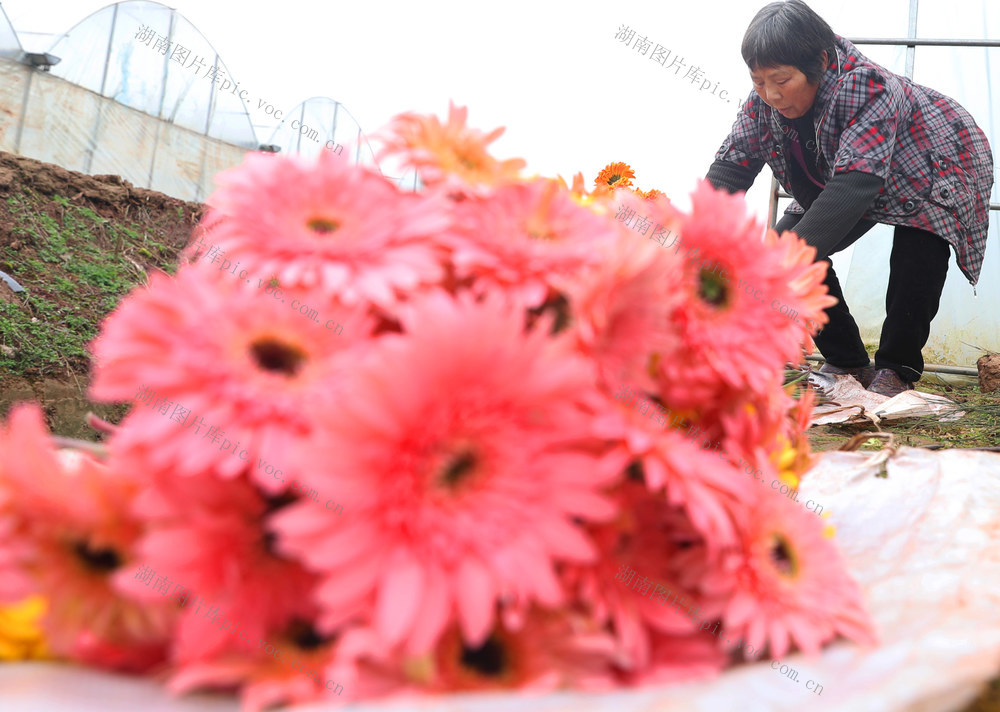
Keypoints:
(77, 244)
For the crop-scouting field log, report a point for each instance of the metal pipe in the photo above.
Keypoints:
(931, 367)
(107, 55)
(92, 146)
(333, 131)
(911, 33)
(916, 42)
(302, 120)
(772, 202)
(24, 110)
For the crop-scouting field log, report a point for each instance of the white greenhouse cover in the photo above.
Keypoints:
(139, 92)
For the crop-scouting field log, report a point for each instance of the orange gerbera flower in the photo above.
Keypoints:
(597, 200)
(652, 194)
(615, 175)
(578, 189)
(452, 153)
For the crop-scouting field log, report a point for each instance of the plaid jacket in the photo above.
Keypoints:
(935, 160)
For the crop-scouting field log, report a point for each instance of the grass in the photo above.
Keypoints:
(978, 428)
(75, 267)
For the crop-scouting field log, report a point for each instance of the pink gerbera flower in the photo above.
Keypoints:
(74, 513)
(551, 650)
(742, 297)
(647, 575)
(210, 538)
(15, 552)
(696, 474)
(219, 374)
(460, 453)
(788, 583)
(679, 659)
(284, 664)
(323, 224)
(622, 311)
(528, 238)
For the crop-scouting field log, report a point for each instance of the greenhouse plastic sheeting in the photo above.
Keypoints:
(10, 46)
(966, 320)
(60, 121)
(147, 56)
(923, 542)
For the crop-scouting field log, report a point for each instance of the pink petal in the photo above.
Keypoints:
(435, 609)
(399, 596)
(476, 600)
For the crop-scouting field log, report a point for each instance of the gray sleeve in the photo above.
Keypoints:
(839, 206)
(730, 176)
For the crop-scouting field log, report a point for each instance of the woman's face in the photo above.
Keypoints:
(784, 88)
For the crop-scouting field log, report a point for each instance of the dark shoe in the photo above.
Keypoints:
(863, 375)
(888, 383)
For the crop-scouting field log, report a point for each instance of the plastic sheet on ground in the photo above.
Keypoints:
(908, 404)
(923, 542)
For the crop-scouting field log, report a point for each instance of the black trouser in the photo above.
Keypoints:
(917, 269)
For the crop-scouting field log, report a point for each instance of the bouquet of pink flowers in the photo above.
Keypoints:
(388, 442)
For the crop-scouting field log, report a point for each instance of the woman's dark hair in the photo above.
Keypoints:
(789, 32)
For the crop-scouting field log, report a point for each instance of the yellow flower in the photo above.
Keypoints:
(786, 460)
(20, 634)
(829, 531)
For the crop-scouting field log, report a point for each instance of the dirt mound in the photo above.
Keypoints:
(989, 373)
(76, 244)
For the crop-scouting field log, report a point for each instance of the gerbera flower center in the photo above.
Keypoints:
(559, 306)
(271, 354)
(304, 636)
(99, 560)
(615, 174)
(272, 505)
(712, 288)
(458, 468)
(635, 471)
(783, 557)
(653, 365)
(323, 226)
(488, 660)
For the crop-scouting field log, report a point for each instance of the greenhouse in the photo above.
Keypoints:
(136, 90)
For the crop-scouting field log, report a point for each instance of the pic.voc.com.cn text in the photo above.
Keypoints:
(215, 255)
(180, 55)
